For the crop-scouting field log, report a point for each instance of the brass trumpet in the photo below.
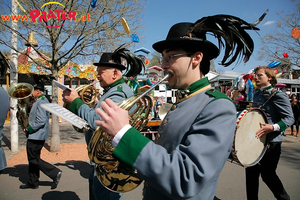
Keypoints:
(110, 172)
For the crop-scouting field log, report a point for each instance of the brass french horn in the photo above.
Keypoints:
(88, 94)
(111, 173)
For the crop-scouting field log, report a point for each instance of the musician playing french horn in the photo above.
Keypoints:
(196, 135)
(109, 74)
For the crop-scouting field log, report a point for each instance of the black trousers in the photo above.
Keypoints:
(36, 164)
(267, 169)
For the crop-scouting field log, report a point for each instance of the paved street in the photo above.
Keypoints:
(74, 181)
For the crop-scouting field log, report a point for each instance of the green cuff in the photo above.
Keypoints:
(75, 105)
(282, 126)
(30, 130)
(130, 146)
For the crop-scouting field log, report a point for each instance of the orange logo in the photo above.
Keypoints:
(42, 16)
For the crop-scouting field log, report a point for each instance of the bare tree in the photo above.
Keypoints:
(156, 59)
(281, 41)
(71, 31)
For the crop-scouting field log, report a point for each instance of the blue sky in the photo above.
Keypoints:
(160, 15)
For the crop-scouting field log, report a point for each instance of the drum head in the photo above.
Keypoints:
(248, 149)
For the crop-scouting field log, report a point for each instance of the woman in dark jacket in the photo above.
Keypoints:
(296, 110)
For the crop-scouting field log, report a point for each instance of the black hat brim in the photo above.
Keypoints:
(38, 87)
(193, 44)
(109, 64)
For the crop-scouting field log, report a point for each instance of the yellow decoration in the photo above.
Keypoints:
(125, 25)
(254, 84)
(21, 7)
(31, 40)
(22, 69)
(74, 70)
(278, 75)
(40, 66)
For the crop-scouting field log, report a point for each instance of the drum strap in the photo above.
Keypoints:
(267, 99)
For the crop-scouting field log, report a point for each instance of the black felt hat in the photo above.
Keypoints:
(230, 32)
(39, 86)
(106, 60)
(179, 37)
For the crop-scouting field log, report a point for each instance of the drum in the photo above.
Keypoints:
(247, 149)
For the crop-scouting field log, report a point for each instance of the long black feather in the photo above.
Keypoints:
(134, 65)
(231, 35)
(260, 19)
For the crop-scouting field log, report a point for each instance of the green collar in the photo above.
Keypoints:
(264, 89)
(42, 96)
(195, 87)
(120, 81)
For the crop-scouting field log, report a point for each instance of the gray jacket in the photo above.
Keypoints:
(4, 108)
(278, 110)
(4, 99)
(38, 120)
(195, 140)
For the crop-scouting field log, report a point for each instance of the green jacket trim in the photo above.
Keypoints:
(75, 105)
(42, 96)
(201, 83)
(130, 146)
(282, 125)
(30, 130)
(194, 89)
(120, 88)
(218, 95)
(120, 81)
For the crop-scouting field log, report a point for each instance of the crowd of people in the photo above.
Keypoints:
(195, 137)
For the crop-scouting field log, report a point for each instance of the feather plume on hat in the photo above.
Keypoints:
(4, 65)
(134, 64)
(231, 35)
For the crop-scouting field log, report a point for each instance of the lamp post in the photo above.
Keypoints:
(14, 80)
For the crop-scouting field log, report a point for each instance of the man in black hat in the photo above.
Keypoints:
(196, 136)
(109, 74)
(38, 130)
